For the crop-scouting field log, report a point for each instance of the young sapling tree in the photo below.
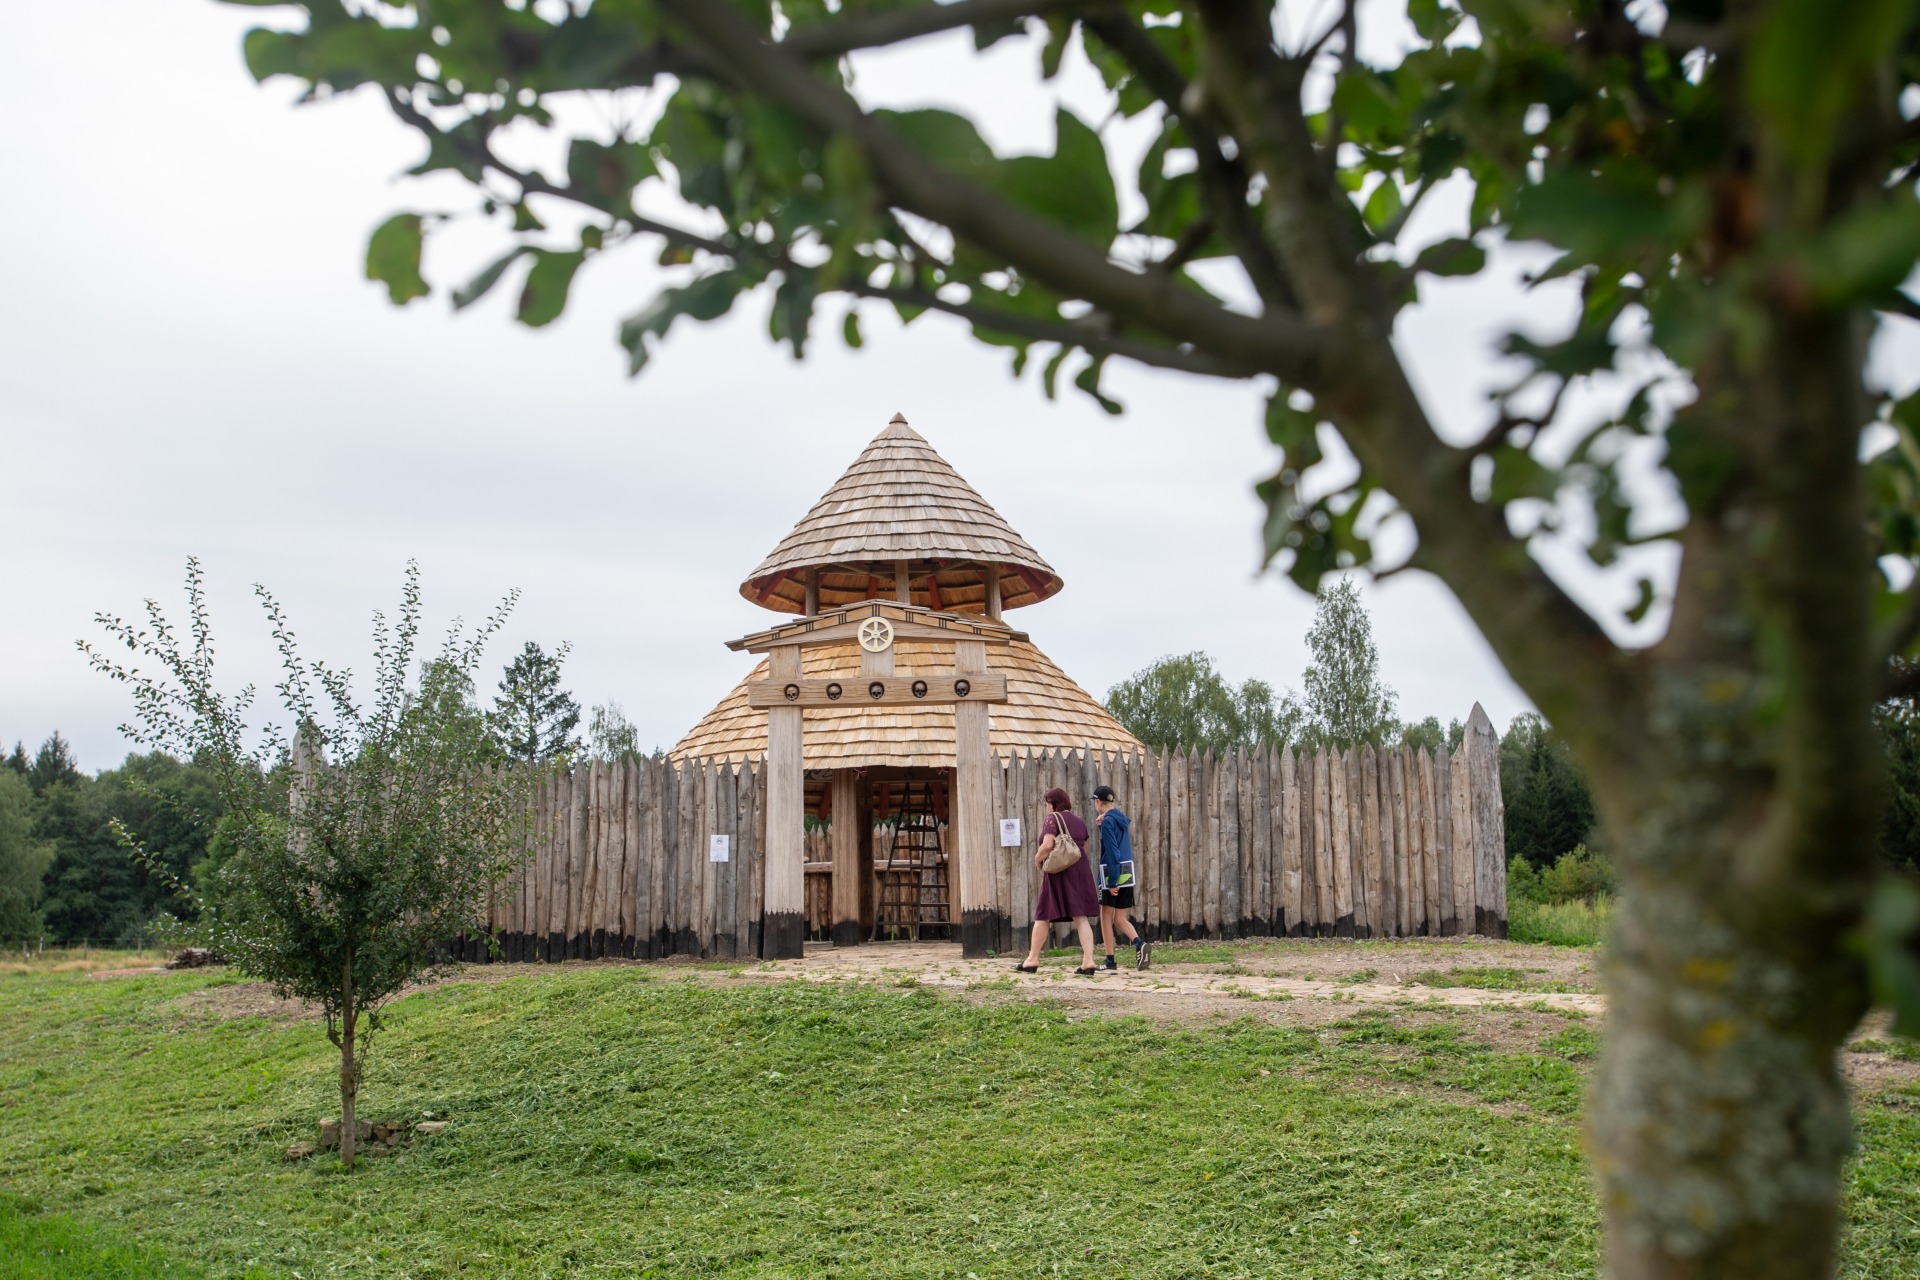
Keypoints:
(364, 838)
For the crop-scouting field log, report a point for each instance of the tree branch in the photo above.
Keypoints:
(889, 27)
(1066, 332)
(1561, 654)
(1507, 421)
(1282, 344)
(835, 39)
(1895, 302)
(531, 182)
(1223, 182)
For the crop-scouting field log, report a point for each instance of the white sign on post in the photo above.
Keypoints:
(718, 848)
(1009, 833)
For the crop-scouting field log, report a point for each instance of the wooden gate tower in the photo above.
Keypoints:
(899, 658)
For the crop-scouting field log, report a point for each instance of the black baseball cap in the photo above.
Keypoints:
(1104, 794)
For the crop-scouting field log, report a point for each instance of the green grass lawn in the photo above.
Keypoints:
(623, 1121)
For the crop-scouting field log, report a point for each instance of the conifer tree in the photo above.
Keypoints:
(533, 717)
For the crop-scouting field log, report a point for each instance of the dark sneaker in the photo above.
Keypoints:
(1110, 965)
(1142, 951)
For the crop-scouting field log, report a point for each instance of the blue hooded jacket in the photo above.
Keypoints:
(1116, 851)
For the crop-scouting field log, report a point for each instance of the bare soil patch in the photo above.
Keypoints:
(1297, 982)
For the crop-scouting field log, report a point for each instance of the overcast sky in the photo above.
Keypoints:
(191, 364)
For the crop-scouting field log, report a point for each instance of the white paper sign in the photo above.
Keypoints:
(718, 848)
(1009, 833)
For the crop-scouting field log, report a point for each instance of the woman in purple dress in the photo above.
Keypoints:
(1064, 895)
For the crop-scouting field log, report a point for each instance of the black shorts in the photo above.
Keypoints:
(1121, 898)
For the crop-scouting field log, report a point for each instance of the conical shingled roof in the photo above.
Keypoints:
(901, 501)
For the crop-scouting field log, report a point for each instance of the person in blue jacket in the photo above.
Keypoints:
(1116, 878)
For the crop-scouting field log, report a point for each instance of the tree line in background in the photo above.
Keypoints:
(66, 876)
(1183, 702)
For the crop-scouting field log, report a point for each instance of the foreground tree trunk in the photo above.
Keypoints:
(1745, 830)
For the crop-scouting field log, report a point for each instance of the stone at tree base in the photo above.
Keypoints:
(428, 1128)
(330, 1133)
(300, 1150)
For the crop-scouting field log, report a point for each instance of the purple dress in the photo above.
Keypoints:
(1069, 893)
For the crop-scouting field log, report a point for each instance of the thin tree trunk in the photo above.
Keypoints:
(349, 1073)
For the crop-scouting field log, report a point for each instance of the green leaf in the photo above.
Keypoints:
(707, 298)
(1295, 430)
(393, 257)
(544, 296)
(271, 53)
(1603, 215)
(792, 314)
(947, 138)
(1518, 474)
(1452, 257)
(1088, 380)
(1060, 30)
(1643, 603)
(1050, 373)
(1384, 205)
(478, 287)
(1866, 253)
(605, 176)
(850, 330)
(1369, 104)
(1073, 187)
(1432, 19)
(1810, 59)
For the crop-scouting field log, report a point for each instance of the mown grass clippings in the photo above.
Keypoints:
(78, 960)
(604, 1125)
(1490, 978)
(36, 1245)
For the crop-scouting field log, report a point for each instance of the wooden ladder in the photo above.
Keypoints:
(913, 878)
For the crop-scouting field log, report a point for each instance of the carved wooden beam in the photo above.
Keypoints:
(910, 622)
(944, 689)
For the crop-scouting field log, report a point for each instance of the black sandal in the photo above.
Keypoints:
(1023, 968)
(1090, 972)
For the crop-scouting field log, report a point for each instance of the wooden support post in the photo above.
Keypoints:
(783, 921)
(813, 592)
(1482, 751)
(902, 584)
(993, 592)
(846, 859)
(972, 813)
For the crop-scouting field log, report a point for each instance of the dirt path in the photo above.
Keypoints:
(1408, 973)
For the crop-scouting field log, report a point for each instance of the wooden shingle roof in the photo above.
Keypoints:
(1044, 709)
(901, 502)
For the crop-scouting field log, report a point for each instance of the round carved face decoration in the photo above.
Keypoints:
(876, 635)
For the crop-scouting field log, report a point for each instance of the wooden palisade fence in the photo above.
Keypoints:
(1281, 842)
